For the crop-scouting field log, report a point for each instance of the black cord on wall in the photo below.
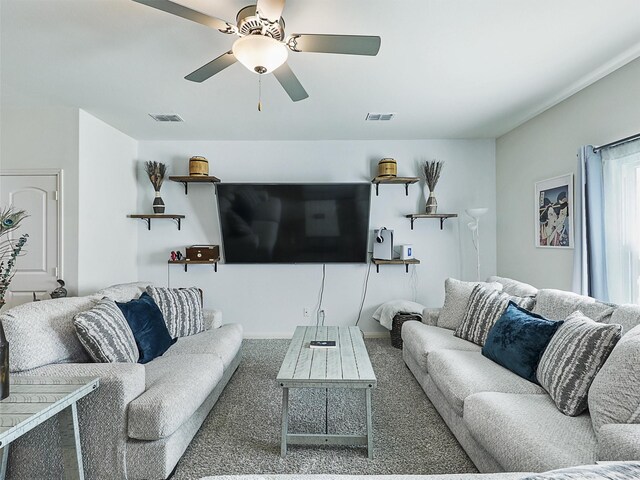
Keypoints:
(364, 295)
(324, 276)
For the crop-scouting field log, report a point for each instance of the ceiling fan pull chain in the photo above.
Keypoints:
(259, 93)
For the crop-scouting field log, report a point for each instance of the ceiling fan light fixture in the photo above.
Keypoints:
(260, 54)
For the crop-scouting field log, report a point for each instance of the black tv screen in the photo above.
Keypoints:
(294, 223)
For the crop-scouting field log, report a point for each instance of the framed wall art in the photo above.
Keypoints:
(554, 212)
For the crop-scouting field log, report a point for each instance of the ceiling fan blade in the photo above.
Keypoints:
(213, 67)
(270, 10)
(189, 14)
(345, 44)
(290, 83)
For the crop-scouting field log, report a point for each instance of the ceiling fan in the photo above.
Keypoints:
(262, 46)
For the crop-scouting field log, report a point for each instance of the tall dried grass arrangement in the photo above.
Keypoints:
(432, 170)
(156, 172)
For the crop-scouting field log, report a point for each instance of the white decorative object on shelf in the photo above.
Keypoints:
(475, 214)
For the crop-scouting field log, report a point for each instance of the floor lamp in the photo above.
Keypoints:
(475, 214)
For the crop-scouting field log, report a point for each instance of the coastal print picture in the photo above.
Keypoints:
(554, 212)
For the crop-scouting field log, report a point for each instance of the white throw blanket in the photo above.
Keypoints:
(385, 312)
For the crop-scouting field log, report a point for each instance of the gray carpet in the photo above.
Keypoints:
(241, 435)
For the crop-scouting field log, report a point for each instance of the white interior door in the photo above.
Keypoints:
(38, 268)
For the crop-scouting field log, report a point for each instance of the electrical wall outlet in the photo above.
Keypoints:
(306, 312)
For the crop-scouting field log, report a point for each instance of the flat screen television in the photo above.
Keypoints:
(294, 223)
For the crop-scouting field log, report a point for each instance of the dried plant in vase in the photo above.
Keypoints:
(156, 172)
(432, 170)
(10, 248)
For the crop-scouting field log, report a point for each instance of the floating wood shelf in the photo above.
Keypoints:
(187, 179)
(406, 181)
(441, 216)
(147, 218)
(395, 261)
(186, 263)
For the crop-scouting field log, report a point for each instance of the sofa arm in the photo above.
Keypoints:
(102, 416)
(430, 316)
(619, 442)
(212, 319)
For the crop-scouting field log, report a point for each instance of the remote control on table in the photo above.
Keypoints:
(322, 344)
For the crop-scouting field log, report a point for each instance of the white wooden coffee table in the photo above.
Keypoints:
(31, 401)
(345, 366)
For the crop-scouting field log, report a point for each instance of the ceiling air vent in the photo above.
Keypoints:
(374, 117)
(166, 117)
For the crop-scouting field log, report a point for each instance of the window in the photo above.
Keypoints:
(621, 179)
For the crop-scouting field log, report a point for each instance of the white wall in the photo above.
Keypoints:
(99, 187)
(47, 138)
(269, 299)
(545, 147)
(107, 239)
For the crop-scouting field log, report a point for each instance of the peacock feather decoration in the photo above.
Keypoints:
(10, 248)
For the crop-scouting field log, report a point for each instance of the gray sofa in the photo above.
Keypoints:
(463, 476)
(508, 424)
(139, 422)
(610, 471)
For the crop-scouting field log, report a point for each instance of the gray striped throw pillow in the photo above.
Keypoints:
(573, 358)
(181, 309)
(485, 307)
(105, 334)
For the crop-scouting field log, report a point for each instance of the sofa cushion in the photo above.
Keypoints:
(618, 442)
(518, 339)
(105, 334)
(614, 396)
(528, 432)
(148, 327)
(175, 388)
(181, 309)
(123, 292)
(558, 305)
(420, 340)
(456, 298)
(572, 359)
(514, 287)
(611, 471)
(223, 342)
(41, 333)
(626, 315)
(485, 307)
(459, 374)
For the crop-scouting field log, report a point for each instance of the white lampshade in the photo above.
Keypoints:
(476, 212)
(260, 54)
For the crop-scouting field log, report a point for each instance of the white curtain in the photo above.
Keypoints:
(621, 177)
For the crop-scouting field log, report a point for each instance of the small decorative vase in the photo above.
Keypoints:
(4, 365)
(158, 204)
(432, 204)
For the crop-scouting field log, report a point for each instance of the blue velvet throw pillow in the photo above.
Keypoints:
(518, 339)
(148, 327)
